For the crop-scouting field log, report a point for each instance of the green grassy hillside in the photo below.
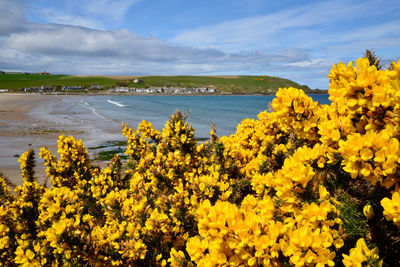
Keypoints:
(239, 84)
(234, 84)
(18, 81)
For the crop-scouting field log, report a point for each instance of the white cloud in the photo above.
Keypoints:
(257, 31)
(12, 17)
(95, 14)
(54, 16)
(312, 26)
(82, 50)
(313, 63)
(59, 40)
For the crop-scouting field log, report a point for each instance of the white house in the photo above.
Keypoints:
(140, 90)
(122, 90)
(72, 88)
(33, 89)
(47, 88)
(95, 87)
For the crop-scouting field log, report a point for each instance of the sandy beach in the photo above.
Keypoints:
(33, 121)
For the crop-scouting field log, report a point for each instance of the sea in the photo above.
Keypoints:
(226, 112)
(102, 115)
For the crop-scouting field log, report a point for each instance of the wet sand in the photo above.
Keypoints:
(34, 121)
(18, 132)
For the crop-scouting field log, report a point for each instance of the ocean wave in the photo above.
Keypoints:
(116, 103)
(87, 105)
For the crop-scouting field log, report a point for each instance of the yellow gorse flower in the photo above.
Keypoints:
(361, 255)
(392, 208)
(368, 211)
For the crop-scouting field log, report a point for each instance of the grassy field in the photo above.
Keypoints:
(234, 84)
(18, 81)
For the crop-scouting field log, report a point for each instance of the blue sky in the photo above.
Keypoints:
(298, 40)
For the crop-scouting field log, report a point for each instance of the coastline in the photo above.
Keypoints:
(17, 132)
(36, 120)
(95, 93)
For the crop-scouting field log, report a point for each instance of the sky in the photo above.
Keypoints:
(297, 40)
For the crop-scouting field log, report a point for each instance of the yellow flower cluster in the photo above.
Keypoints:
(250, 235)
(229, 235)
(268, 195)
(373, 156)
(7, 224)
(361, 255)
(73, 167)
(296, 113)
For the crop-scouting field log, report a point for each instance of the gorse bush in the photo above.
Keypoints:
(304, 185)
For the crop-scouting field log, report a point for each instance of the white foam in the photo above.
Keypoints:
(116, 103)
(86, 104)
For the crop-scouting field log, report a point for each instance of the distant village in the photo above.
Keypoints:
(164, 90)
(31, 73)
(133, 90)
(122, 90)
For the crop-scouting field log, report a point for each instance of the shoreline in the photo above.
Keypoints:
(36, 120)
(17, 132)
(321, 92)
